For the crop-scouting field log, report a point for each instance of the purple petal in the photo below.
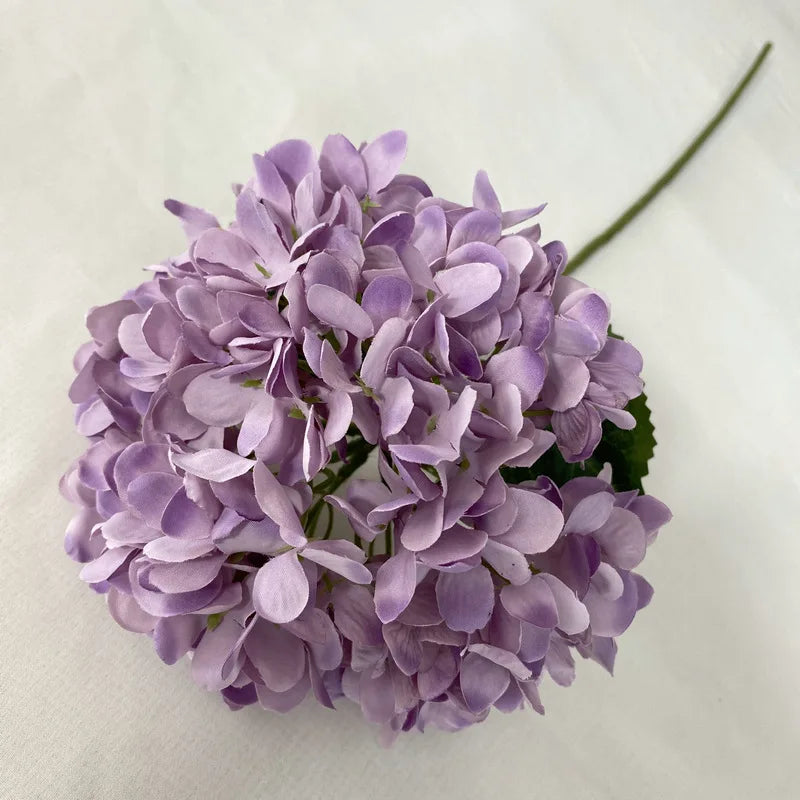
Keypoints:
(185, 576)
(174, 636)
(467, 286)
(195, 220)
(424, 526)
(341, 165)
(509, 562)
(354, 614)
(127, 613)
(338, 310)
(281, 590)
(165, 548)
(503, 658)
(385, 297)
(476, 226)
(395, 582)
(220, 402)
(436, 679)
(652, 513)
(213, 464)
(482, 682)
(520, 366)
(255, 424)
(622, 538)
(283, 702)
(391, 231)
(573, 617)
(382, 159)
(376, 697)
(276, 504)
(340, 415)
(466, 599)
(537, 525)
(341, 557)
(566, 382)
(404, 645)
(590, 513)
(397, 405)
(483, 195)
(150, 494)
(105, 565)
(183, 518)
(279, 657)
(212, 655)
(532, 602)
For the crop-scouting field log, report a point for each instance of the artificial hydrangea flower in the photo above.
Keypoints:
(346, 309)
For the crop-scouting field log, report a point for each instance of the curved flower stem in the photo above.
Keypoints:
(603, 238)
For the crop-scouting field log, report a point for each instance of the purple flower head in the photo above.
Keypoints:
(345, 310)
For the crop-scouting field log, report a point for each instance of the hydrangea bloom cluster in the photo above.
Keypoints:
(348, 310)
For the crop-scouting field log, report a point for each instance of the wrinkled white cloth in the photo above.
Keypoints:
(109, 107)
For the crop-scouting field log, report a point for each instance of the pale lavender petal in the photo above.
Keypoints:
(174, 636)
(467, 286)
(482, 682)
(503, 658)
(186, 576)
(476, 226)
(404, 645)
(340, 415)
(466, 599)
(391, 231)
(532, 602)
(572, 614)
(590, 513)
(354, 614)
(278, 656)
(537, 525)
(566, 382)
(484, 195)
(195, 220)
(395, 582)
(436, 679)
(520, 366)
(213, 464)
(385, 297)
(149, 495)
(281, 590)
(220, 402)
(376, 697)
(105, 565)
(341, 557)
(424, 526)
(283, 702)
(337, 309)
(341, 165)
(274, 501)
(456, 544)
(507, 561)
(127, 613)
(382, 159)
(165, 548)
(622, 538)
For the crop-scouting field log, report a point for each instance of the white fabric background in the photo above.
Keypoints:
(108, 107)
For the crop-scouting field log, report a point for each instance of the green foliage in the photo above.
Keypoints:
(628, 452)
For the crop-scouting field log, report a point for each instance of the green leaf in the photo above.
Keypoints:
(628, 452)
(263, 271)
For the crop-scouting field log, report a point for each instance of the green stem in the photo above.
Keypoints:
(358, 452)
(603, 238)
